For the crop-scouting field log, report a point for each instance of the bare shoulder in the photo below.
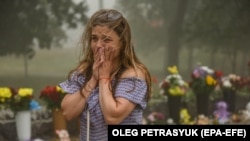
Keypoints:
(131, 72)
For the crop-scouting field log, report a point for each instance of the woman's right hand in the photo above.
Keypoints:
(98, 60)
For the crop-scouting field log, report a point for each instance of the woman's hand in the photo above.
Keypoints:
(98, 60)
(107, 63)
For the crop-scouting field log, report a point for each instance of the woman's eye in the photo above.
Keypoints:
(107, 40)
(94, 39)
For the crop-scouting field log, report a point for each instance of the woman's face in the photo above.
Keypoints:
(103, 37)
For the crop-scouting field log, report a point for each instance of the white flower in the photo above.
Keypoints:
(233, 77)
(207, 69)
(162, 92)
(181, 82)
(226, 82)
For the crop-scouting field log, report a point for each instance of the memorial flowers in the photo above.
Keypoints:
(204, 79)
(230, 86)
(22, 99)
(203, 83)
(173, 84)
(232, 81)
(53, 96)
(5, 97)
(174, 87)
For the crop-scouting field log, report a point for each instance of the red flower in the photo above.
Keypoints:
(218, 74)
(52, 95)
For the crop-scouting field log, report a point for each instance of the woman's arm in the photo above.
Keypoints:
(115, 110)
(73, 104)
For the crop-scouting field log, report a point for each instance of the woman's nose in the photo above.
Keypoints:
(100, 43)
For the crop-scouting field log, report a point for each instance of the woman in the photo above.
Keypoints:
(110, 85)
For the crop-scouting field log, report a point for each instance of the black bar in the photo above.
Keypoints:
(163, 132)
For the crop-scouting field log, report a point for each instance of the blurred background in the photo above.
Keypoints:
(39, 41)
(39, 45)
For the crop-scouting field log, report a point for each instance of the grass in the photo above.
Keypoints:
(47, 67)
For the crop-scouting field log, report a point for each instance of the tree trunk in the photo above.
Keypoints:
(175, 32)
(25, 58)
(234, 60)
(190, 58)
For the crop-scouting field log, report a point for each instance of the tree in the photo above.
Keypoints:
(157, 24)
(24, 23)
(220, 26)
(217, 26)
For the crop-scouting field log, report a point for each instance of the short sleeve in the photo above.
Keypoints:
(134, 90)
(73, 84)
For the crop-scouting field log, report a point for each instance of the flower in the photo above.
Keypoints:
(232, 81)
(5, 96)
(173, 84)
(185, 117)
(53, 96)
(156, 118)
(204, 79)
(21, 99)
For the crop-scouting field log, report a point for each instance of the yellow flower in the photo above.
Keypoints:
(25, 92)
(185, 116)
(176, 90)
(173, 70)
(210, 80)
(59, 89)
(5, 92)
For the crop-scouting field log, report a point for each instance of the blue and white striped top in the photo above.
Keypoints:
(98, 127)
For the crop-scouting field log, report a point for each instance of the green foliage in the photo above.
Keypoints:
(215, 25)
(219, 23)
(24, 23)
(20, 103)
(199, 86)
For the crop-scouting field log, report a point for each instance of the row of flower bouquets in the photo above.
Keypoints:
(203, 80)
(241, 117)
(14, 100)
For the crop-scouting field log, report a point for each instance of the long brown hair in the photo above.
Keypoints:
(114, 20)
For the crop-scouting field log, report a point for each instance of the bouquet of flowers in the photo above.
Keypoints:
(173, 84)
(204, 79)
(22, 99)
(53, 96)
(232, 81)
(5, 97)
(229, 86)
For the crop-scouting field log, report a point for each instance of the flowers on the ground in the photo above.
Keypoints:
(53, 96)
(173, 84)
(156, 118)
(204, 79)
(185, 117)
(21, 100)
